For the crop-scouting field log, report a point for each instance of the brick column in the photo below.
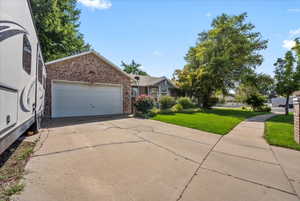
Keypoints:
(296, 101)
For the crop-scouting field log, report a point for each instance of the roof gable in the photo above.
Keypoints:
(87, 53)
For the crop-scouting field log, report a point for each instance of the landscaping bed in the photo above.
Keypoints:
(279, 131)
(12, 164)
(218, 121)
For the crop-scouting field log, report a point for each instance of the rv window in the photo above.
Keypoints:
(40, 70)
(26, 55)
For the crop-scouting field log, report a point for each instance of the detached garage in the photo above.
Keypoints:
(86, 84)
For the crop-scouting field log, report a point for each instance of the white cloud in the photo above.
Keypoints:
(288, 44)
(157, 53)
(295, 32)
(294, 10)
(96, 4)
(208, 14)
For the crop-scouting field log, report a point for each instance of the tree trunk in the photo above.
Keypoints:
(287, 105)
(205, 102)
(199, 101)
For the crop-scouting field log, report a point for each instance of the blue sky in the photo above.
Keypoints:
(158, 33)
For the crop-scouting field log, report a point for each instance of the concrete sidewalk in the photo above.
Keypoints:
(242, 166)
(146, 160)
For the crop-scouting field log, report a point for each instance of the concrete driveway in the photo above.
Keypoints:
(143, 160)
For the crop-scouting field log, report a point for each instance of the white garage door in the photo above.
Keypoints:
(70, 99)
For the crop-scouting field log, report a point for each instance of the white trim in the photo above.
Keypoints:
(87, 83)
(90, 52)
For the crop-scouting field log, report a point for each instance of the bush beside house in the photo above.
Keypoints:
(166, 102)
(144, 103)
(185, 102)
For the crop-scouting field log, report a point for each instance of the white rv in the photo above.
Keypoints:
(22, 72)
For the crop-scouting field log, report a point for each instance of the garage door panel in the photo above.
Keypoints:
(85, 100)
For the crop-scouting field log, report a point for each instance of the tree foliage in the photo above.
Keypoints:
(133, 68)
(253, 83)
(297, 47)
(220, 57)
(287, 76)
(57, 23)
(256, 101)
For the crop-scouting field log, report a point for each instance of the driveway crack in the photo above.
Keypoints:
(285, 174)
(195, 173)
(157, 145)
(86, 147)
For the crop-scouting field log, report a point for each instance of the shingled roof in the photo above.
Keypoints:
(146, 80)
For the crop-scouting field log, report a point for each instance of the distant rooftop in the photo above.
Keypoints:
(146, 80)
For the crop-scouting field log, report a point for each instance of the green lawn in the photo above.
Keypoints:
(219, 121)
(280, 131)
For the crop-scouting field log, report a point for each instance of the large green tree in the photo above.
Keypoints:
(57, 23)
(133, 68)
(287, 76)
(221, 56)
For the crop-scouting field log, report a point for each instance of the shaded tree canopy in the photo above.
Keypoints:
(57, 23)
(220, 57)
(287, 76)
(133, 68)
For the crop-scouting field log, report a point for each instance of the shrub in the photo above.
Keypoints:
(246, 108)
(177, 108)
(264, 108)
(166, 102)
(185, 102)
(256, 101)
(154, 111)
(144, 103)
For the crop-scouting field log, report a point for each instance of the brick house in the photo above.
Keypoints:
(152, 86)
(86, 84)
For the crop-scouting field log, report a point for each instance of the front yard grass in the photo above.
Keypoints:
(279, 131)
(218, 121)
(12, 164)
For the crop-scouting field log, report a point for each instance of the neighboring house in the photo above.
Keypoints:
(86, 84)
(152, 86)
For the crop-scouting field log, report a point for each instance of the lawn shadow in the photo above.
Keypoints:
(287, 119)
(233, 113)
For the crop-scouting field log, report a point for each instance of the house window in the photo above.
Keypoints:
(26, 55)
(135, 92)
(40, 69)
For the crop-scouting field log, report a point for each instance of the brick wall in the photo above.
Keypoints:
(297, 119)
(87, 68)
